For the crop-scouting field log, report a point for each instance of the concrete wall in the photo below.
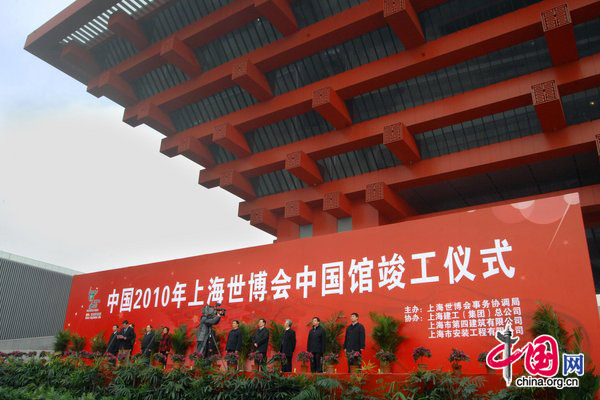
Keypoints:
(28, 344)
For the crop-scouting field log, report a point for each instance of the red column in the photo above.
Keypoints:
(559, 33)
(548, 106)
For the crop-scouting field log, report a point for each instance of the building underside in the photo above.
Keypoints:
(325, 116)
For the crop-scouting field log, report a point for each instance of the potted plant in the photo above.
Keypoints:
(232, 359)
(304, 357)
(180, 341)
(246, 332)
(277, 360)
(481, 358)
(158, 359)
(61, 341)
(178, 360)
(275, 335)
(386, 358)
(257, 357)
(419, 353)
(329, 360)
(334, 328)
(455, 358)
(386, 335)
(77, 342)
(98, 344)
(354, 358)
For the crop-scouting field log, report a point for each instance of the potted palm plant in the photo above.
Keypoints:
(180, 341)
(275, 335)
(77, 342)
(61, 341)
(246, 332)
(98, 343)
(386, 335)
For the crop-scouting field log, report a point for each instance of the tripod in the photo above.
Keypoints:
(205, 351)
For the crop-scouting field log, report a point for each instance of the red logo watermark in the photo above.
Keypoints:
(541, 358)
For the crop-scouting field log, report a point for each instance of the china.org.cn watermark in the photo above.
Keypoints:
(540, 359)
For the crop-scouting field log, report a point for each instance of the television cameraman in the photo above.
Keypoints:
(205, 336)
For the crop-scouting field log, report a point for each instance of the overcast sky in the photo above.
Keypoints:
(81, 189)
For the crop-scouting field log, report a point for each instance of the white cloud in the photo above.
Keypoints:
(81, 189)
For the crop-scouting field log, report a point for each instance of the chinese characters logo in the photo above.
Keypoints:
(540, 357)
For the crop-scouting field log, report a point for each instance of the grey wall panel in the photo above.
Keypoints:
(33, 301)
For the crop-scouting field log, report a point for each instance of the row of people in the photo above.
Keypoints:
(354, 341)
(122, 340)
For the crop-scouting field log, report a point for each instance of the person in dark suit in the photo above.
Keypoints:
(234, 339)
(355, 337)
(260, 340)
(316, 345)
(288, 345)
(113, 342)
(147, 342)
(126, 340)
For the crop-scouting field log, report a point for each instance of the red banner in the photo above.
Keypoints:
(453, 279)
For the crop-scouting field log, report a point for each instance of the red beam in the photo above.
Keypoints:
(402, 18)
(114, 87)
(298, 212)
(321, 35)
(231, 139)
(251, 79)
(279, 14)
(156, 118)
(328, 103)
(571, 140)
(195, 151)
(303, 167)
(235, 183)
(388, 203)
(337, 204)
(81, 59)
(560, 35)
(176, 52)
(265, 220)
(127, 28)
(498, 33)
(548, 106)
(400, 141)
(477, 103)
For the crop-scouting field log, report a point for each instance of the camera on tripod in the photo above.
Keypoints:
(220, 310)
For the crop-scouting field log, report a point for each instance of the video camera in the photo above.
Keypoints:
(220, 310)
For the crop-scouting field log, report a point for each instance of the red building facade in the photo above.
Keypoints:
(326, 116)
